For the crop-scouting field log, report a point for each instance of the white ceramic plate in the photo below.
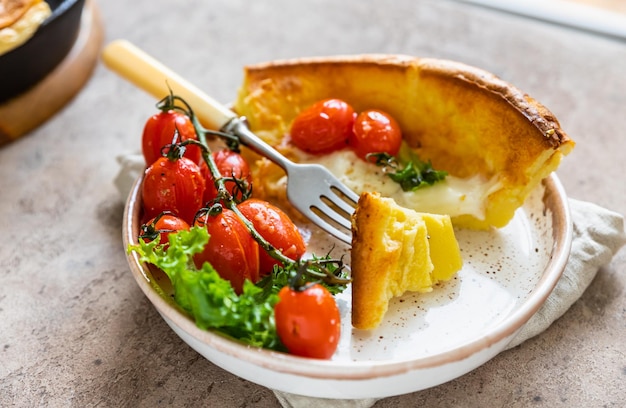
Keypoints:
(425, 339)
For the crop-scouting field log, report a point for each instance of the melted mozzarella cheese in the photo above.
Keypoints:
(453, 196)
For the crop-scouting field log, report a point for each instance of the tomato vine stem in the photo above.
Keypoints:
(224, 197)
(316, 268)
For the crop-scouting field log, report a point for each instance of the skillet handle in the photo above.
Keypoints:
(146, 73)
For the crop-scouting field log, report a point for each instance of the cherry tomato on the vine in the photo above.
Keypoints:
(231, 250)
(277, 228)
(159, 131)
(162, 225)
(375, 131)
(323, 127)
(308, 321)
(173, 185)
(229, 164)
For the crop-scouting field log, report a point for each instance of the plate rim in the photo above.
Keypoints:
(554, 199)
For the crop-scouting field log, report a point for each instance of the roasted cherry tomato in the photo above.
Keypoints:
(277, 229)
(230, 164)
(231, 250)
(308, 321)
(159, 131)
(175, 185)
(162, 225)
(323, 127)
(374, 132)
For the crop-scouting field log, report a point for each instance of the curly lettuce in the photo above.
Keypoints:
(208, 298)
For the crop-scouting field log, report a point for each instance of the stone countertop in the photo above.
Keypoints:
(75, 329)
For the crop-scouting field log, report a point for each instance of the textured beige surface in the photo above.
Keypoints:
(75, 330)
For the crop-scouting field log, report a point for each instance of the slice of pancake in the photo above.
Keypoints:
(396, 250)
(466, 121)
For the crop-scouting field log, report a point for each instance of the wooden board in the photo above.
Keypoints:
(27, 111)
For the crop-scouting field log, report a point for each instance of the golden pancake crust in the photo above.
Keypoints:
(463, 119)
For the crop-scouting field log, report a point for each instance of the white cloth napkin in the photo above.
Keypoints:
(598, 234)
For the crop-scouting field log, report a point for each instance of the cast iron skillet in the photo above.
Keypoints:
(26, 65)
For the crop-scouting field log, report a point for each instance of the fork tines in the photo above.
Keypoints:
(332, 212)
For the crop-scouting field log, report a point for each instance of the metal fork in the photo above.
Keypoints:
(311, 188)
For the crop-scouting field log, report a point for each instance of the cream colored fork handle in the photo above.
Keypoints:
(145, 72)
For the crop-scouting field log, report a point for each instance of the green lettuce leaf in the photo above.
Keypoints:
(208, 298)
